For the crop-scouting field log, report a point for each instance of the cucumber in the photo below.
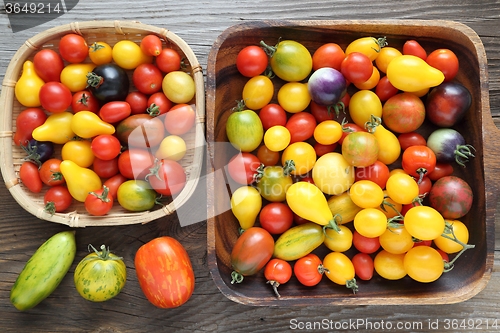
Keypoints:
(298, 241)
(44, 271)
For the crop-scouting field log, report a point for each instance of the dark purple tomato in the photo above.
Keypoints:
(447, 104)
(326, 86)
(451, 196)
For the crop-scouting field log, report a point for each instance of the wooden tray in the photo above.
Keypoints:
(224, 85)
(11, 155)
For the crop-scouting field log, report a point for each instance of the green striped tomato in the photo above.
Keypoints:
(100, 276)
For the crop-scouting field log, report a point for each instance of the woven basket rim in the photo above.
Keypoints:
(77, 219)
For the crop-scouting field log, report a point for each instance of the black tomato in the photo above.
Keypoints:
(108, 82)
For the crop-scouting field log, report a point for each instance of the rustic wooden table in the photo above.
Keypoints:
(199, 24)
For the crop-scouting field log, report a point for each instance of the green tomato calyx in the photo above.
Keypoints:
(104, 254)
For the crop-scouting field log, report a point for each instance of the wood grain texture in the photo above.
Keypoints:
(199, 24)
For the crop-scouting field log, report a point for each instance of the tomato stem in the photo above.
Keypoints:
(448, 266)
(270, 50)
(288, 167)
(240, 106)
(372, 124)
(333, 224)
(105, 254)
(381, 42)
(351, 284)
(50, 207)
(275, 285)
(104, 196)
(93, 80)
(463, 153)
(236, 277)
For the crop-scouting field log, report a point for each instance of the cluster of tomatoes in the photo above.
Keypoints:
(118, 114)
(332, 153)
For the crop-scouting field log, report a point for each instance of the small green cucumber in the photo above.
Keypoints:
(298, 241)
(44, 271)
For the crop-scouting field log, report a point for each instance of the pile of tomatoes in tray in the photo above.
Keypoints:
(119, 116)
(332, 153)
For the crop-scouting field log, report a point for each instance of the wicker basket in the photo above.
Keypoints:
(11, 156)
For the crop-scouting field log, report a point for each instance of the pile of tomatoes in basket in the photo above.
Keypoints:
(333, 152)
(119, 116)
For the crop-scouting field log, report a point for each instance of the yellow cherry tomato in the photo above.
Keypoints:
(402, 188)
(258, 92)
(390, 266)
(363, 105)
(294, 97)
(396, 240)
(78, 151)
(369, 46)
(461, 233)
(328, 132)
(370, 222)
(371, 82)
(332, 174)
(424, 223)
(386, 55)
(410, 73)
(74, 76)
(179, 87)
(366, 194)
(246, 203)
(340, 270)
(338, 240)
(172, 147)
(303, 156)
(100, 53)
(128, 55)
(277, 138)
(308, 202)
(28, 86)
(423, 264)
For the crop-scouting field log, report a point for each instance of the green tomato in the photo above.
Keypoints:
(290, 60)
(244, 130)
(100, 276)
(136, 195)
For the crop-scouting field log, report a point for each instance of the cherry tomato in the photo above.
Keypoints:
(30, 177)
(423, 264)
(338, 240)
(402, 188)
(385, 56)
(324, 149)
(113, 183)
(48, 65)
(424, 186)
(356, 67)
(321, 112)
(418, 161)
(409, 139)
(273, 182)
(301, 126)
(370, 222)
(180, 119)
(179, 87)
(135, 163)
(441, 170)
(50, 172)
(360, 149)
(328, 132)
(396, 240)
(363, 266)
(105, 146)
(277, 272)
(294, 97)
(78, 151)
(251, 61)
(57, 199)
(138, 102)
(147, 78)
(151, 45)
(98, 203)
(412, 47)
(242, 167)
(73, 48)
(100, 53)
(365, 244)
(272, 115)
(276, 217)
(328, 55)
(350, 128)
(366, 194)
(302, 154)
(371, 82)
(55, 97)
(308, 270)
(277, 138)
(172, 147)
(460, 231)
(390, 266)
(105, 168)
(168, 60)
(84, 101)
(26, 121)
(363, 105)
(268, 157)
(169, 177)
(446, 61)
(128, 55)
(258, 92)
(403, 113)
(370, 46)
(424, 222)
(377, 172)
(158, 103)
(384, 89)
(340, 270)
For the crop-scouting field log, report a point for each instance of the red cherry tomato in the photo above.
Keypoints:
(309, 270)
(30, 177)
(251, 61)
(135, 163)
(441, 170)
(84, 101)
(272, 115)
(328, 55)
(356, 67)
(276, 217)
(446, 61)
(151, 45)
(424, 186)
(138, 102)
(73, 48)
(301, 126)
(55, 97)
(363, 266)
(147, 78)
(98, 203)
(324, 149)
(418, 161)
(242, 167)
(115, 111)
(158, 104)
(114, 182)
(57, 199)
(384, 89)
(169, 179)
(48, 65)
(105, 146)
(26, 122)
(267, 156)
(50, 172)
(180, 119)
(365, 244)
(412, 47)
(277, 272)
(168, 60)
(378, 173)
(105, 168)
(409, 139)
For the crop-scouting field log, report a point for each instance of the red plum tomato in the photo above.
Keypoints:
(48, 65)
(301, 126)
